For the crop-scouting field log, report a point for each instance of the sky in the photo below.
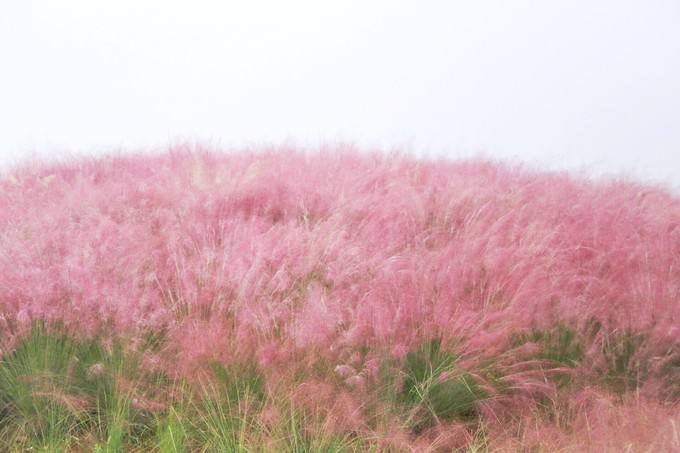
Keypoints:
(582, 85)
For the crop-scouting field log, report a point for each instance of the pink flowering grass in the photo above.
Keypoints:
(417, 304)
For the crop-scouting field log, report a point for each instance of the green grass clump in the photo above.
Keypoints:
(35, 397)
(625, 370)
(433, 388)
(57, 392)
(559, 346)
(239, 380)
(225, 415)
(171, 432)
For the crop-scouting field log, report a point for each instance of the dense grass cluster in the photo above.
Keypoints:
(280, 300)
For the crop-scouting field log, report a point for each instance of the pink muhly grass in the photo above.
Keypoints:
(281, 255)
(344, 371)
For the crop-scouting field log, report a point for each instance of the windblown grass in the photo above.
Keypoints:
(335, 301)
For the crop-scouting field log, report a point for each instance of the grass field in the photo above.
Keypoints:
(332, 301)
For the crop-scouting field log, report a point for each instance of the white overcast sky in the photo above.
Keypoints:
(560, 84)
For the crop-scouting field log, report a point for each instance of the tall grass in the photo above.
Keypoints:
(286, 300)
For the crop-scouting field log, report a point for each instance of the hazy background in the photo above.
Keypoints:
(560, 84)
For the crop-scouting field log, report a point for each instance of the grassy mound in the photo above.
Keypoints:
(335, 301)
